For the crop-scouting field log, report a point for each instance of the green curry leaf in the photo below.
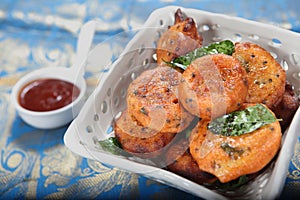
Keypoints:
(112, 145)
(224, 47)
(243, 121)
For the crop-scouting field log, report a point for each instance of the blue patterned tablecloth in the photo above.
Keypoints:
(35, 164)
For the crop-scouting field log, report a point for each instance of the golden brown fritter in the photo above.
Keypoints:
(231, 157)
(213, 85)
(152, 100)
(138, 140)
(179, 39)
(266, 78)
(182, 163)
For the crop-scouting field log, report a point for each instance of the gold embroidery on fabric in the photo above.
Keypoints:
(60, 165)
(98, 180)
(32, 184)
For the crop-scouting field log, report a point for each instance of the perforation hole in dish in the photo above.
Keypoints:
(133, 76)
(123, 92)
(253, 37)
(95, 141)
(154, 56)
(110, 129)
(298, 92)
(275, 42)
(215, 26)
(145, 63)
(216, 38)
(158, 34)
(89, 129)
(229, 192)
(116, 101)
(295, 59)
(263, 183)
(118, 115)
(274, 55)
(96, 117)
(249, 192)
(237, 37)
(161, 22)
(203, 28)
(154, 44)
(108, 93)
(296, 75)
(103, 107)
(284, 64)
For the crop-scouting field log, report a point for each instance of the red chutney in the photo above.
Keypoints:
(47, 94)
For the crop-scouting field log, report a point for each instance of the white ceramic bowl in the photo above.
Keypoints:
(62, 116)
(55, 118)
(95, 121)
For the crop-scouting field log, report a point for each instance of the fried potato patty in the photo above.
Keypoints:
(182, 163)
(179, 39)
(152, 100)
(231, 157)
(213, 85)
(266, 78)
(138, 140)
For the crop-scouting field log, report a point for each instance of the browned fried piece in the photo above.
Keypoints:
(179, 39)
(138, 140)
(152, 100)
(183, 164)
(231, 157)
(266, 77)
(179, 17)
(213, 85)
(287, 107)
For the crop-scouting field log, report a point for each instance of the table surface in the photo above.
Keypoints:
(35, 163)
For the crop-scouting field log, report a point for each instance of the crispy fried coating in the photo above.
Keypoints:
(183, 164)
(231, 157)
(213, 85)
(162, 102)
(152, 100)
(266, 77)
(287, 107)
(179, 39)
(138, 140)
(178, 16)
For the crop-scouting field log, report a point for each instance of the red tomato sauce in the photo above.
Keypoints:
(47, 94)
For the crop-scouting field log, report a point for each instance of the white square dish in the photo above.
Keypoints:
(94, 122)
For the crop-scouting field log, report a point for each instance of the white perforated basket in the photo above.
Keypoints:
(94, 122)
